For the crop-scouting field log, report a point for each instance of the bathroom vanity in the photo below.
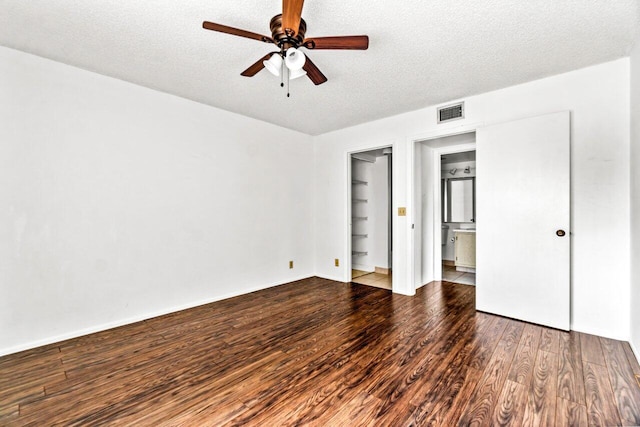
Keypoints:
(465, 247)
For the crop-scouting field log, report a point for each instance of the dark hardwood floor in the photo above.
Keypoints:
(317, 352)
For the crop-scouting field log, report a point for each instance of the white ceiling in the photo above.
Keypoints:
(420, 53)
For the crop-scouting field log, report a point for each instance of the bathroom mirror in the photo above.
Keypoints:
(458, 199)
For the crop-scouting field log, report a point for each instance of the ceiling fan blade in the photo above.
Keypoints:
(235, 31)
(253, 70)
(291, 13)
(313, 72)
(343, 42)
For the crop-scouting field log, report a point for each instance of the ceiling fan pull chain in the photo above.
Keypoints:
(282, 67)
(288, 80)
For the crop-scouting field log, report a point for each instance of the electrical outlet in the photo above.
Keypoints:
(337, 262)
(402, 211)
(290, 264)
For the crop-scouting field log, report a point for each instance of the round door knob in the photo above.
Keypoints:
(560, 233)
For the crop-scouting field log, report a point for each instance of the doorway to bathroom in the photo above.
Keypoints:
(371, 228)
(442, 188)
(458, 214)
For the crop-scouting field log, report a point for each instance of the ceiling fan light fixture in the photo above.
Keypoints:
(288, 31)
(294, 74)
(273, 64)
(294, 59)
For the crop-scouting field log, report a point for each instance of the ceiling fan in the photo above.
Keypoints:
(288, 34)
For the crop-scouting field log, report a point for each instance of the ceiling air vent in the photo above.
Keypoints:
(451, 112)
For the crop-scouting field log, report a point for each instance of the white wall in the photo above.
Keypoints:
(598, 99)
(120, 203)
(635, 199)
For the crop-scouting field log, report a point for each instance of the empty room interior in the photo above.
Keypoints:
(320, 213)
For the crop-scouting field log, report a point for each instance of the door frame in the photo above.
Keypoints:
(414, 173)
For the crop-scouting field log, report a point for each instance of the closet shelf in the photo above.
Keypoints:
(359, 182)
(360, 235)
(359, 253)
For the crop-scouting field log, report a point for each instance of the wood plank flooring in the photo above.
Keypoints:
(318, 352)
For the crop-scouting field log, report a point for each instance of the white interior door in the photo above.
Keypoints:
(523, 220)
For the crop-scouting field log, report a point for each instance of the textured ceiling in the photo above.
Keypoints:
(420, 53)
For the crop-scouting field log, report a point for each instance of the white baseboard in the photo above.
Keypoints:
(601, 333)
(409, 294)
(134, 319)
(329, 277)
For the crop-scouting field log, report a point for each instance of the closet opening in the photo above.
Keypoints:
(371, 227)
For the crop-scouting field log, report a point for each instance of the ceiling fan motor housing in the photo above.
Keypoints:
(281, 36)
